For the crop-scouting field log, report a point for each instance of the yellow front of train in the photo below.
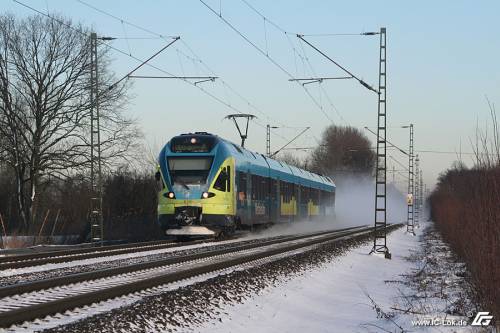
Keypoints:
(197, 196)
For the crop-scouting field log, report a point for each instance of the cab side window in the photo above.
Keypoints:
(222, 180)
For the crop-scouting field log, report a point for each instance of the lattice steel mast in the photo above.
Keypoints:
(268, 140)
(410, 199)
(421, 195)
(96, 218)
(379, 239)
(417, 192)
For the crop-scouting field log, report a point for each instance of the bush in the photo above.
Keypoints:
(466, 208)
(129, 207)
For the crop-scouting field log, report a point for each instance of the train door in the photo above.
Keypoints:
(242, 195)
(249, 201)
(273, 200)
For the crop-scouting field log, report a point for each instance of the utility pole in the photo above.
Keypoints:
(96, 218)
(410, 197)
(417, 192)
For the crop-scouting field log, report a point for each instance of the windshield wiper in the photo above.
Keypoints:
(182, 183)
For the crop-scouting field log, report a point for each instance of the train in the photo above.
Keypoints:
(211, 187)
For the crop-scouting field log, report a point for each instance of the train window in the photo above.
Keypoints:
(189, 170)
(242, 185)
(272, 189)
(260, 187)
(228, 178)
(255, 187)
(287, 191)
(304, 194)
(159, 182)
(283, 191)
(265, 188)
(315, 196)
(221, 181)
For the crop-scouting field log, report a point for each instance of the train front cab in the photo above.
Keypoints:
(205, 208)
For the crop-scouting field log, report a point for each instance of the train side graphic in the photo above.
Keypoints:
(210, 186)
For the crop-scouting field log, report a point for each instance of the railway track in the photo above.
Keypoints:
(29, 301)
(53, 257)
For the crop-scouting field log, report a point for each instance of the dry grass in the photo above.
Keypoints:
(16, 242)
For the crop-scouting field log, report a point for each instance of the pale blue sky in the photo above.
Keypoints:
(442, 61)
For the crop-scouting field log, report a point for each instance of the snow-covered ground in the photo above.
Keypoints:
(330, 288)
(356, 292)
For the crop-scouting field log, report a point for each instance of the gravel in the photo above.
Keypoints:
(51, 273)
(187, 307)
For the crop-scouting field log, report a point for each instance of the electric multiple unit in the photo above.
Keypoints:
(210, 186)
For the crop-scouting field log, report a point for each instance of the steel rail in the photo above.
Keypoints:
(25, 287)
(87, 247)
(38, 310)
(54, 257)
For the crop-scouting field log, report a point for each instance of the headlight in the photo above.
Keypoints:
(170, 195)
(206, 195)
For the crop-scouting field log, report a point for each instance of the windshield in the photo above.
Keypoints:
(189, 170)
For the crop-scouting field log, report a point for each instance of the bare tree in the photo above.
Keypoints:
(342, 149)
(45, 105)
(487, 147)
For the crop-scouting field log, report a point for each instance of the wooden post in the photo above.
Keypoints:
(55, 223)
(3, 225)
(43, 224)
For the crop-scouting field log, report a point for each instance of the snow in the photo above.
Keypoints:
(92, 261)
(85, 312)
(334, 297)
(278, 230)
(355, 292)
(191, 231)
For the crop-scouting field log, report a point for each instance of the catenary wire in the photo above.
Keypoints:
(196, 59)
(216, 98)
(272, 60)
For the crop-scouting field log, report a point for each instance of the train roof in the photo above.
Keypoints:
(261, 165)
